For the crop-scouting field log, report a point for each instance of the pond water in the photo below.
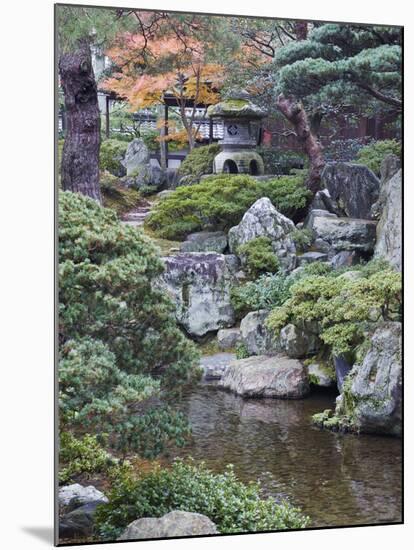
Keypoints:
(336, 479)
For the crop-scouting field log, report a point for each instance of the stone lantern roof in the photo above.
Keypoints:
(237, 105)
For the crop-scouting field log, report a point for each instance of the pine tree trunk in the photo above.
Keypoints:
(295, 113)
(80, 156)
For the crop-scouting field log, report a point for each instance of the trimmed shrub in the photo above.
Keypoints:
(111, 153)
(343, 308)
(123, 357)
(258, 257)
(199, 162)
(219, 202)
(302, 238)
(372, 155)
(82, 455)
(233, 506)
(279, 162)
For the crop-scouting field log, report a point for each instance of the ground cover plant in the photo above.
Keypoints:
(220, 201)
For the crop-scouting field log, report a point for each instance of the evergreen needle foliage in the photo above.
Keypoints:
(219, 202)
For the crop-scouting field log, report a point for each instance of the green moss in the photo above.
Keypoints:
(258, 257)
(116, 196)
(112, 151)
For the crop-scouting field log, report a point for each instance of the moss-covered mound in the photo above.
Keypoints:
(219, 202)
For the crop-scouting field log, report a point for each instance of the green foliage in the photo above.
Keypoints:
(339, 65)
(117, 331)
(219, 202)
(82, 455)
(302, 238)
(343, 308)
(111, 153)
(233, 506)
(199, 161)
(116, 196)
(258, 257)
(241, 351)
(372, 155)
(279, 162)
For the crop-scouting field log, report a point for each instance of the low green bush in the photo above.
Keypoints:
(302, 238)
(219, 202)
(123, 358)
(372, 155)
(199, 162)
(116, 196)
(281, 162)
(266, 292)
(258, 257)
(233, 506)
(343, 308)
(111, 153)
(82, 455)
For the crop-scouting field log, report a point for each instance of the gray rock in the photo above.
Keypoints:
(228, 338)
(389, 166)
(214, 366)
(263, 220)
(264, 376)
(255, 336)
(333, 235)
(374, 395)
(297, 342)
(323, 201)
(200, 284)
(79, 522)
(342, 368)
(80, 493)
(310, 257)
(314, 213)
(389, 229)
(173, 524)
(321, 375)
(136, 156)
(345, 258)
(354, 187)
(205, 241)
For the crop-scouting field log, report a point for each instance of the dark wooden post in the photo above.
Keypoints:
(166, 132)
(107, 123)
(210, 131)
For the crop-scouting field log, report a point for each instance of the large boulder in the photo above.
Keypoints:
(228, 338)
(264, 376)
(205, 241)
(389, 228)
(263, 220)
(354, 188)
(372, 391)
(255, 336)
(68, 494)
(79, 522)
(200, 284)
(136, 156)
(173, 524)
(321, 375)
(299, 342)
(214, 366)
(333, 235)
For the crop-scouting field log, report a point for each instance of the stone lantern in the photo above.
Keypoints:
(239, 115)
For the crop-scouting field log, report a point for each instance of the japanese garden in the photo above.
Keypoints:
(230, 291)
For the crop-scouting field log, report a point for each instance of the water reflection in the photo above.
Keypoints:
(335, 479)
